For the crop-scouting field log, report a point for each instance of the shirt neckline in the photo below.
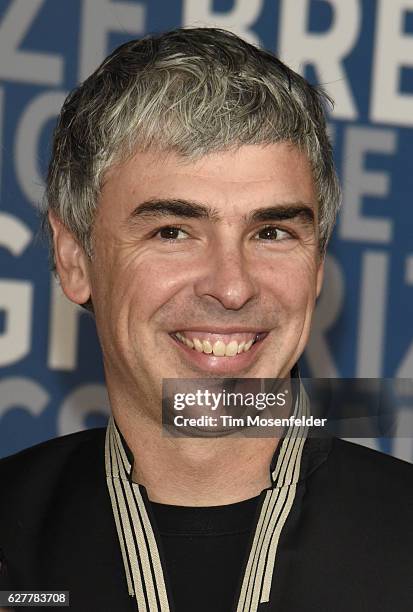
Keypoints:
(205, 520)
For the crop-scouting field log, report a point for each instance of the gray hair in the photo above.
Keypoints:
(191, 91)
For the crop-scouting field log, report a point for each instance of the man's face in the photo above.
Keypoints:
(215, 255)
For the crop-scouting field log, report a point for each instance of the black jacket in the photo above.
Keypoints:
(347, 545)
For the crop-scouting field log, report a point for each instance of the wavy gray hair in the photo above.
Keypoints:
(191, 91)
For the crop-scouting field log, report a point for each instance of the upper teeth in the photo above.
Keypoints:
(219, 348)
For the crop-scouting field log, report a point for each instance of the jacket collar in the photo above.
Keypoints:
(139, 538)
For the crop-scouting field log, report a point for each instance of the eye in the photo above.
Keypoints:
(171, 232)
(272, 233)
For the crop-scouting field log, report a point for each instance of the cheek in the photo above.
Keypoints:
(140, 286)
(292, 283)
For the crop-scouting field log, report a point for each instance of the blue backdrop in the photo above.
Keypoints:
(51, 380)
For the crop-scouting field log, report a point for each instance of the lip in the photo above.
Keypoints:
(221, 365)
(223, 330)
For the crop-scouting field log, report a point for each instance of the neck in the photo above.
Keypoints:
(195, 471)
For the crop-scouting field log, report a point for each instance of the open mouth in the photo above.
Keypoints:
(219, 345)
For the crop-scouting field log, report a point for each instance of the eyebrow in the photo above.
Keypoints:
(176, 208)
(194, 210)
(297, 210)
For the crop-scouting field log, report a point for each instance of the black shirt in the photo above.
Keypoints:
(204, 550)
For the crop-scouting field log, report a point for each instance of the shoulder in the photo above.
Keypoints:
(354, 476)
(360, 501)
(54, 501)
(358, 461)
(48, 461)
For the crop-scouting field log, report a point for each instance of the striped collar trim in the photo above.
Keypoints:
(278, 501)
(138, 539)
(140, 553)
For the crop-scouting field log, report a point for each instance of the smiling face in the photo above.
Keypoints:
(206, 268)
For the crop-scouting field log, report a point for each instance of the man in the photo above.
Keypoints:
(191, 195)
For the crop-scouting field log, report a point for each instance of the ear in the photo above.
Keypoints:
(320, 275)
(71, 262)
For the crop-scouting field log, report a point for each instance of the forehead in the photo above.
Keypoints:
(243, 178)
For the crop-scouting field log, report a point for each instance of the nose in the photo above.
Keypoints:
(227, 277)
